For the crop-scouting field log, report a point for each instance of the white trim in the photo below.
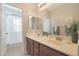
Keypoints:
(8, 6)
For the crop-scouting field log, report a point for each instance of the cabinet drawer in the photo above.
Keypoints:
(36, 47)
(36, 44)
(36, 50)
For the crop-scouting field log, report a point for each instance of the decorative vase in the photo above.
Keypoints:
(74, 37)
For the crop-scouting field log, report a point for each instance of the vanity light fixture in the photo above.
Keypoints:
(41, 4)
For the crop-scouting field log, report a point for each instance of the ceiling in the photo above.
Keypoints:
(51, 6)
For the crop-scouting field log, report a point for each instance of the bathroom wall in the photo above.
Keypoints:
(65, 14)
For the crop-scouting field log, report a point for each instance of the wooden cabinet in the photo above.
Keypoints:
(46, 51)
(38, 49)
(29, 46)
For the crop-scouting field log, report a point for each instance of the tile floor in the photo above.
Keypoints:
(15, 50)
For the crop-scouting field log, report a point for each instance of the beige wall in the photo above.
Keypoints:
(65, 14)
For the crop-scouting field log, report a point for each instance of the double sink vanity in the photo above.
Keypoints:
(51, 45)
(58, 38)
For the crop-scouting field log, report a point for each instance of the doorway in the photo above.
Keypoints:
(12, 28)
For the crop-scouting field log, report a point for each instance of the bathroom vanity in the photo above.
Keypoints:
(43, 46)
(38, 49)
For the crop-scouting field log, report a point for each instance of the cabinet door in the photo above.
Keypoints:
(30, 46)
(44, 50)
(36, 48)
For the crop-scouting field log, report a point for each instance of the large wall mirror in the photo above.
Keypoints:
(46, 25)
(45, 22)
(35, 23)
(57, 26)
(32, 23)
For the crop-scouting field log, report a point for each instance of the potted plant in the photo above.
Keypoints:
(73, 31)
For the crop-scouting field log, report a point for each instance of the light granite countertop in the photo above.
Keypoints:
(65, 46)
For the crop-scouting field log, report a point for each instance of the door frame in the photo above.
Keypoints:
(4, 49)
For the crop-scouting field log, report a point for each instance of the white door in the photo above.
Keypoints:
(11, 26)
(14, 29)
